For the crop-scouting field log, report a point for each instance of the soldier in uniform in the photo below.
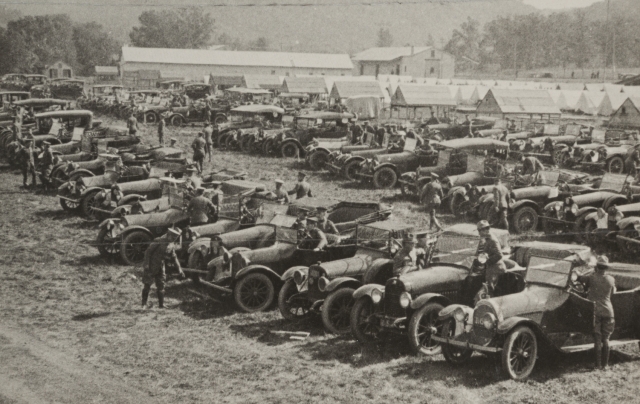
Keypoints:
(432, 196)
(161, 125)
(28, 164)
(490, 245)
(356, 134)
(281, 195)
(198, 147)
(633, 162)
(46, 165)
(600, 287)
(324, 224)
(160, 251)
(406, 260)
(380, 134)
(301, 222)
(208, 133)
(302, 188)
(530, 165)
(132, 124)
(193, 180)
(548, 147)
(315, 238)
(501, 203)
(218, 195)
(200, 208)
(433, 120)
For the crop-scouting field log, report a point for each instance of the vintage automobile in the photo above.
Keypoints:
(608, 151)
(27, 110)
(453, 275)
(348, 160)
(196, 91)
(7, 98)
(327, 288)
(568, 216)
(551, 315)
(175, 85)
(245, 96)
(314, 125)
(447, 131)
(413, 169)
(192, 113)
(526, 204)
(67, 89)
(248, 126)
(531, 143)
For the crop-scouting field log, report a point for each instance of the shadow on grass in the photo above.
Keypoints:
(54, 214)
(199, 303)
(89, 316)
(90, 261)
(261, 331)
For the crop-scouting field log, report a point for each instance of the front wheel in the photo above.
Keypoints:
(292, 307)
(420, 329)
(133, 247)
(177, 120)
(452, 354)
(351, 170)
(220, 119)
(68, 205)
(289, 150)
(385, 178)
(615, 165)
(88, 203)
(408, 190)
(254, 292)
(318, 159)
(519, 353)
(150, 117)
(107, 247)
(362, 323)
(336, 311)
(525, 220)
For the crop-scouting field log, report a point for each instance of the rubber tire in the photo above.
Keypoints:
(507, 348)
(246, 143)
(361, 305)
(256, 276)
(220, 119)
(578, 227)
(393, 178)
(86, 204)
(103, 249)
(230, 142)
(150, 117)
(59, 177)
(177, 120)
(267, 147)
(352, 168)
(454, 205)
(289, 150)
(629, 232)
(521, 212)
(620, 163)
(409, 191)
(285, 309)
(318, 159)
(330, 302)
(197, 261)
(135, 237)
(453, 355)
(412, 330)
(66, 206)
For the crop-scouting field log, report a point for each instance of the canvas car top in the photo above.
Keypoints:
(242, 90)
(553, 250)
(40, 101)
(64, 114)
(258, 109)
(613, 182)
(327, 115)
(233, 187)
(474, 143)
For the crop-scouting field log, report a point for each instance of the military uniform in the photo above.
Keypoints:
(601, 287)
(46, 166)
(548, 147)
(531, 165)
(328, 227)
(132, 125)
(208, 133)
(495, 264)
(161, 131)
(501, 204)
(432, 196)
(28, 166)
(432, 121)
(315, 238)
(301, 190)
(159, 251)
(357, 134)
(199, 209)
(198, 147)
(281, 195)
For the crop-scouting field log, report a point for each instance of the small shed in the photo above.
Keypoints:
(266, 82)
(347, 89)
(304, 85)
(627, 116)
(59, 70)
(422, 95)
(530, 103)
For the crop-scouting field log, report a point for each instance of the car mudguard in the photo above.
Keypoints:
(201, 244)
(448, 311)
(130, 229)
(524, 202)
(342, 282)
(354, 158)
(319, 149)
(591, 216)
(383, 165)
(428, 298)
(505, 326)
(584, 210)
(376, 266)
(288, 274)
(88, 190)
(129, 199)
(614, 200)
(257, 268)
(81, 171)
(486, 198)
(409, 176)
(365, 290)
(456, 190)
(106, 221)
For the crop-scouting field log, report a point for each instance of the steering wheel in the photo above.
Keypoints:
(576, 285)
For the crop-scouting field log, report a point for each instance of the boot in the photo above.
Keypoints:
(598, 350)
(161, 298)
(605, 354)
(145, 296)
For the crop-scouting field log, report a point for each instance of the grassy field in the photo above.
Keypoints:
(71, 329)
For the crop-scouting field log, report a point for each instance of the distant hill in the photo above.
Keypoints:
(626, 8)
(349, 27)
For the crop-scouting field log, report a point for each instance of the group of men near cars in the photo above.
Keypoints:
(28, 167)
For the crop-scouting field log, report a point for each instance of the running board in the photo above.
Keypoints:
(586, 347)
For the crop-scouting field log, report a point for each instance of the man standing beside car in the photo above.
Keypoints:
(198, 147)
(46, 165)
(161, 125)
(432, 196)
(200, 208)
(160, 251)
(601, 286)
(501, 203)
(132, 124)
(208, 133)
(490, 245)
(28, 164)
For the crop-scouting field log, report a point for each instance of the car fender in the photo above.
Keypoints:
(89, 190)
(584, 210)
(504, 327)
(591, 216)
(82, 171)
(257, 269)
(354, 158)
(373, 270)
(365, 290)
(343, 282)
(320, 149)
(627, 222)
(106, 221)
(428, 298)
(201, 244)
(383, 165)
(456, 190)
(448, 311)
(129, 199)
(292, 140)
(614, 200)
(486, 198)
(549, 207)
(130, 229)
(525, 202)
(288, 274)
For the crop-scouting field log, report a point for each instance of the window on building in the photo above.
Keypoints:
(623, 111)
(432, 70)
(433, 54)
(397, 70)
(377, 70)
(53, 73)
(362, 70)
(273, 72)
(66, 73)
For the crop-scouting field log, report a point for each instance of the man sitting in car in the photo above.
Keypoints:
(408, 258)
(314, 238)
(490, 245)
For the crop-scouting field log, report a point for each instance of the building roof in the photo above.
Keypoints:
(422, 95)
(235, 58)
(387, 54)
(518, 102)
(267, 82)
(107, 70)
(347, 89)
(305, 85)
(226, 80)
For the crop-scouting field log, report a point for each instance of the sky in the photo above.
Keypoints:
(559, 4)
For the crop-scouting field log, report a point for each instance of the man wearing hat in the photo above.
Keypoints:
(198, 147)
(432, 196)
(281, 195)
(433, 120)
(315, 238)
(490, 245)
(160, 251)
(356, 134)
(218, 195)
(501, 203)
(324, 223)
(116, 193)
(530, 165)
(132, 124)
(600, 287)
(193, 180)
(46, 165)
(161, 125)
(28, 164)
(302, 188)
(301, 223)
(406, 260)
(200, 208)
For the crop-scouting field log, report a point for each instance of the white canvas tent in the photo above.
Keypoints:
(569, 99)
(611, 102)
(589, 102)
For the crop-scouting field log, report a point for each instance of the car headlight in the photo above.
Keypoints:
(567, 201)
(376, 296)
(574, 277)
(323, 283)
(482, 258)
(574, 209)
(459, 315)
(619, 215)
(194, 235)
(298, 277)
(557, 206)
(489, 321)
(405, 300)
(393, 250)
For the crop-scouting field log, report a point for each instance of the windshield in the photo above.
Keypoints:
(237, 117)
(372, 237)
(302, 123)
(548, 271)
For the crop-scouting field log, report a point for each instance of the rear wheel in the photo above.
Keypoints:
(230, 141)
(336, 311)
(420, 329)
(318, 159)
(452, 354)
(454, 205)
(551, 227)
(525, 220)
(385, 178)
(615, 165)
(68, 205)
(289, 150)
(292, 307)
(220, 119)
(363, 325)
(267, 148)
(408, 190)
(150, 117)
(254, 292)
(107, 246)
(351, 170)
(133, 247)
(177, 120)
(88, 203)
(59, 176)
(519, 353)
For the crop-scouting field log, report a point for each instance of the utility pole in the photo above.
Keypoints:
(613, 56)
(515, 56)
(606, 42)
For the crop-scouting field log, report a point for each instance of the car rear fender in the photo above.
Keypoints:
(354, 158)
(614, 200)
(365, 290)
(89, 190)
(376, 267)
(258, 269)
(409, 177)
(288, 274)
(456, 190)
(448, 311)
(343, 282)
(106, 221)
(320, 149)
(201, 244)
(383, 165)
(130, 199)
(294, 141)
(131, 229)
(523, 203)
(82, 171)
(428, 298)
(591, 216)
(586, 209)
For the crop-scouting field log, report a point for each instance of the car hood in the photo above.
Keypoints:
(532, 300)
(143, 186)
(219, 227)
(394, 158)
(466, 178)
(166, 218)
(437, 278)
(244, 237)
(532, 192)
(263, 256)
(593, 197)
(346, 267)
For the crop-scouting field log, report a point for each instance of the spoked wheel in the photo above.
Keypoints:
(452, 354)
(615, 165)
(519, 353)
(525, 220)
(177, 121)
(289, 150)
(456, 202)
(351, 170)
(68, 205)
(88, 204)
(59, 177)
(318, 159)
(558, 156)
(363, 325)
(336, 311)
(255, 292)
(409, 191)
(230, 141)
(247, 144)
(268, 146)
(220, 119)
(292, 305)
(133, 247)
(385, 178)
(107, 246)
(420, 329)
